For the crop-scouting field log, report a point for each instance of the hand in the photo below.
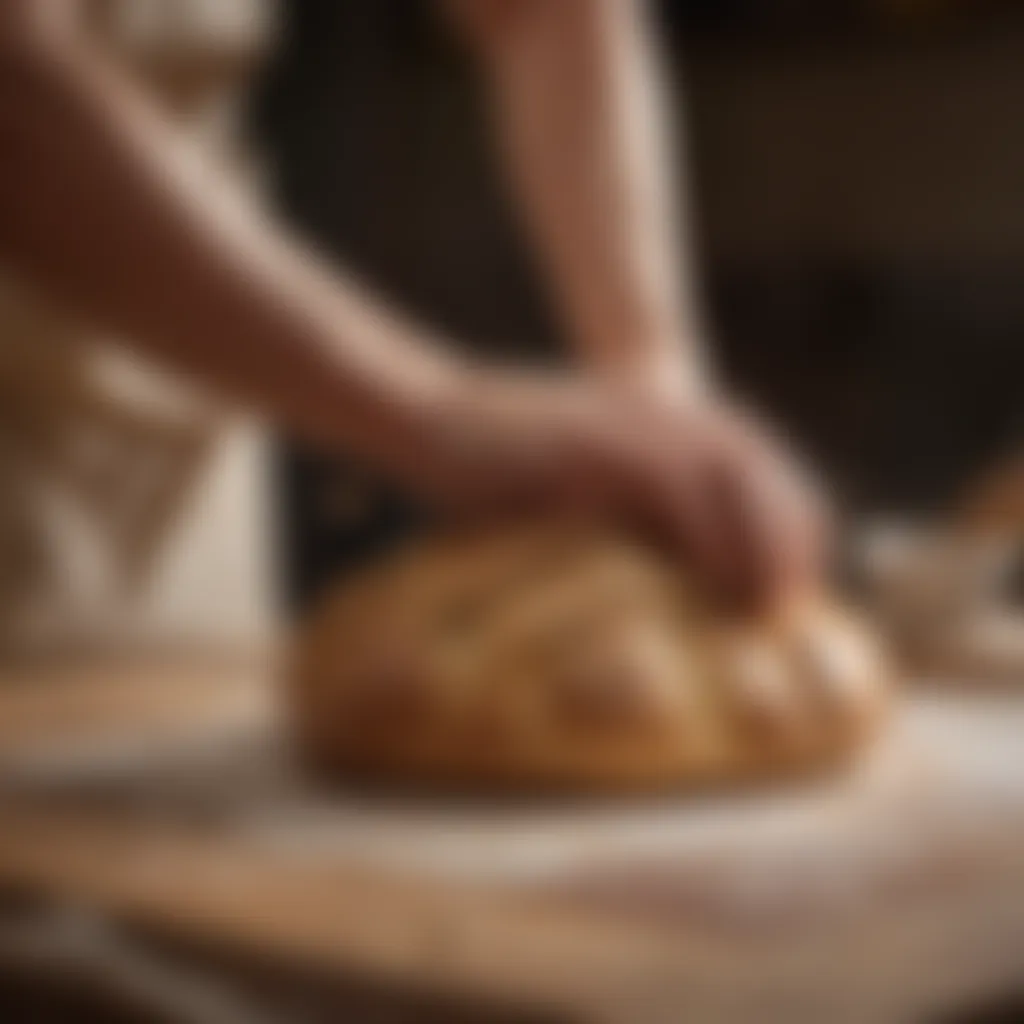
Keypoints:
(699, 477)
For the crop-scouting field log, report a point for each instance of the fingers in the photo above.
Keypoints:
(750, 516)
(701, 528)
(777, 527)
(737, 510)
(800, 505)
(675, 495)
(661, 488)
(708, 485)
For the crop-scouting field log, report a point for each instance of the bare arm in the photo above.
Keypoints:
(102, 207)
(106, 208)
(579, 113)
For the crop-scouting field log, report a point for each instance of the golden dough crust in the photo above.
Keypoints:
(554, 658)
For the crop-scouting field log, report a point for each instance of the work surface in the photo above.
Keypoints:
(166, 798)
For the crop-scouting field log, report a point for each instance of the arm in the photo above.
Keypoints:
(578, 108)
(103, 206)
(579, 111)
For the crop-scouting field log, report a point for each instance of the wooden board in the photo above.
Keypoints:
(167, 797)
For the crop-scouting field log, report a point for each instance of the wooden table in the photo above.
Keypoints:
(153, 821)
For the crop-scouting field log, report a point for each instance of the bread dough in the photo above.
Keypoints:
(554, 657)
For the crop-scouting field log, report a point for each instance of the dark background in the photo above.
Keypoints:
(857, 181)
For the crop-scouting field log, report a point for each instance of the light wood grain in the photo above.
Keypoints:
(207, 833)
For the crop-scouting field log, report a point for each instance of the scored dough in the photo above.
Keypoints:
(554, 657)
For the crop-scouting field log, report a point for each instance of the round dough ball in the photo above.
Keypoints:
(555, 658)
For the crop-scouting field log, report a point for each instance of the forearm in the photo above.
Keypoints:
(578, 109)
(103, 206)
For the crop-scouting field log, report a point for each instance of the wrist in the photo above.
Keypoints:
(496, 429)
(667, 370)
(419, 419)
